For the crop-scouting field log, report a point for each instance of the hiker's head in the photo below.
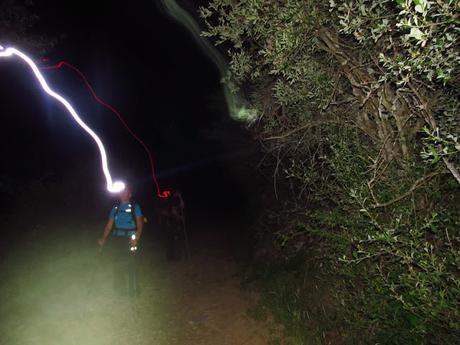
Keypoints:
(125, 194)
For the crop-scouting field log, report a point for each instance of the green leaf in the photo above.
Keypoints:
(416, 33)
(419, 9)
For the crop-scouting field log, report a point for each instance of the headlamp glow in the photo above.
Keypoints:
(113, 187)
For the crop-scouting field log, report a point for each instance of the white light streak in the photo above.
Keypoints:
(113, 187)
(236, 104)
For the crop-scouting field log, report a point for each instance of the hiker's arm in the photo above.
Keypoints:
(107, 229)
(139, 227)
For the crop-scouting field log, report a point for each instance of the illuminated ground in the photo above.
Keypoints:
(56, 289)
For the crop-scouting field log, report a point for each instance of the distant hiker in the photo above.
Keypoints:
(177, 207)
(124, 244)
(169, 230)
(172, 224)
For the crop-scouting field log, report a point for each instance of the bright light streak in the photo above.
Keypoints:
(160, 193)
(133, 236)
(114, 187)
(236, 105)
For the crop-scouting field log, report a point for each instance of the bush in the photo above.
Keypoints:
(359, 119)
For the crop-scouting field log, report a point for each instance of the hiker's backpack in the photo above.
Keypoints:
(129, 210)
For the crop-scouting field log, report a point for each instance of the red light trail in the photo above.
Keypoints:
(60, 65)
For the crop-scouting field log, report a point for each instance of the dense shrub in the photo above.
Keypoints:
(358, 113)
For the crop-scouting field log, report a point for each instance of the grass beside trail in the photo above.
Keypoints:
(55, 288)
(299, 297)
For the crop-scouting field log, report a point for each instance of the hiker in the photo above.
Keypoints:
(167, 230)
(177, 208)
(127, 222)
(172, 224)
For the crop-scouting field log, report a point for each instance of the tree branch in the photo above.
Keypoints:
(451, 167)
(416, 185)
(307, 125)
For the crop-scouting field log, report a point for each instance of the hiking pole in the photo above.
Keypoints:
(133, 288)
(133, 248)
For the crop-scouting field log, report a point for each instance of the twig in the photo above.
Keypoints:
(336, 84)
(308, 125)
(275, 174)
(451, 167)
(369, 94)
(417, 184)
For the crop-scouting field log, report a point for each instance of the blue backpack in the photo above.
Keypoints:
(129, 210)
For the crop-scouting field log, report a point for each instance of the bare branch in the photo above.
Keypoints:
(451, 167)
(307, 125)
(416, 185)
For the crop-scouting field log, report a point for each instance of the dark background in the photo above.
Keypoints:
(149, 68)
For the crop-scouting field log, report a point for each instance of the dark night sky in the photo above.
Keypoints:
(150, 69)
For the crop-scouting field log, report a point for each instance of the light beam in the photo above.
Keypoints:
(113, 187)
(235, 104)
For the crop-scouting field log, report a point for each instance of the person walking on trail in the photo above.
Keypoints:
(177, 207)
(171, 223)
(167, 230)
(179, 216)
(126, 222)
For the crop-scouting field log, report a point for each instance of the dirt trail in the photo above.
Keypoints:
(59, 291)
(210, 307)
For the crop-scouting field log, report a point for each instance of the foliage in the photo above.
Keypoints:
(265, 54)
(360, 122)
(414, 38)
(403, 256)
(297, 295)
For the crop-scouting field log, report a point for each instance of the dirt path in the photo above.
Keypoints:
(210, 306)
(59, 291)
